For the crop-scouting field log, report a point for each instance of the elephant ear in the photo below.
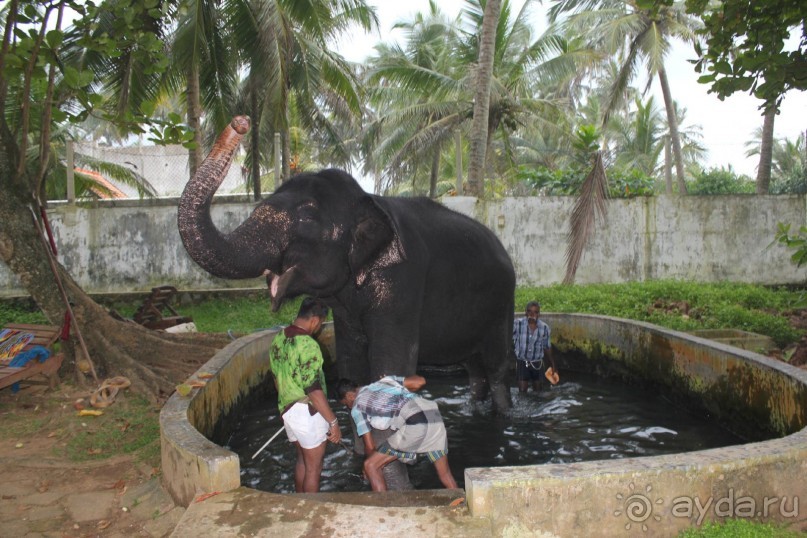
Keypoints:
(375, 242)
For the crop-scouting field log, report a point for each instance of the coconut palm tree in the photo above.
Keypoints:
(203, 68)
(639, 142)
(788, 162)
(480, 132)
(635, 34)
(285, 49)
(418, 89)
(425, 88)
(766, 152)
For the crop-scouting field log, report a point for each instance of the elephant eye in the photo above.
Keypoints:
(307, 212)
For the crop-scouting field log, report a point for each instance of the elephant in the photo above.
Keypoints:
(409, 281)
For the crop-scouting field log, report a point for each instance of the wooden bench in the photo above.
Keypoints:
(45, 336)
(150, 313)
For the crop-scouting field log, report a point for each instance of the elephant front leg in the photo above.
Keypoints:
(477, 380)
(351, 348)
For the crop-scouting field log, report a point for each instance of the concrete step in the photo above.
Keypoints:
(246, 512)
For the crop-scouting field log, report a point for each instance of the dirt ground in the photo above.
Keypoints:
(44, 493)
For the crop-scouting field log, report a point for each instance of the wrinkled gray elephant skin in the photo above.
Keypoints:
(410, 281)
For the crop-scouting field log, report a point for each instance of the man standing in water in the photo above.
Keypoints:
(531, 343)
(418, 427)
(296, 362)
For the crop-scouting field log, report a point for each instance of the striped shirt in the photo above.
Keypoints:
(378, 403)
(530, 346)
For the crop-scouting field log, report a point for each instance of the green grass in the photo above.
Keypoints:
(746, 307)
(17, 314)
(129, 426)
(739, 528)
(241, 315)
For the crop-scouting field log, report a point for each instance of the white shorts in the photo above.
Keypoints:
(310, 431)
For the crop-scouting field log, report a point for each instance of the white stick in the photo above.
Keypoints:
(267, 442)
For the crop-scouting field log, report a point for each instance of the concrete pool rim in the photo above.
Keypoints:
(554, 497)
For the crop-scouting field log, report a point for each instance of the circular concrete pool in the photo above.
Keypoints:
(756, 396)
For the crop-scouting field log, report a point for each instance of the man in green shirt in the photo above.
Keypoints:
(296, 361)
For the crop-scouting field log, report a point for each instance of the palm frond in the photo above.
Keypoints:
(590, 202)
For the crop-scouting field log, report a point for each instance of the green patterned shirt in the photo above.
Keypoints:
(296, 363)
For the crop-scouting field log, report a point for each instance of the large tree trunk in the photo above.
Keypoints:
(675, 138)
(484, 75)
(153, 361)
(766, 153)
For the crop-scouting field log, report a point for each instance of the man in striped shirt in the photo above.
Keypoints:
(531, 343)
(389, 403)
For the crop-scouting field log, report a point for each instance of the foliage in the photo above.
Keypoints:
(739, 528)
(721, 181)
(567, 181)
(558, 182)
(11, 313)
(638, 35)
(745, 47)
(629, 183)
(797, 241)
(789, 166)
(422, 92)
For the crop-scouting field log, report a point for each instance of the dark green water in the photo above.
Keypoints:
(583, 418)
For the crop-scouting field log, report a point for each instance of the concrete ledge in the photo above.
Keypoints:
(191, 463)
(662, 495)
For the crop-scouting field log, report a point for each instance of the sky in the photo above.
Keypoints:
(726, 125)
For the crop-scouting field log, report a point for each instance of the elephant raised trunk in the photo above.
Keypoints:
(248, 250)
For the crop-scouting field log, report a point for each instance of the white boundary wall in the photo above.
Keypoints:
(125, 246)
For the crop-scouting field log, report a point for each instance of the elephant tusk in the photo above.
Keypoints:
(278, 285)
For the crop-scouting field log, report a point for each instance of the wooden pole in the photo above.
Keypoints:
(55, 271)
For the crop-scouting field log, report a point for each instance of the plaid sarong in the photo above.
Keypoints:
(419, 430)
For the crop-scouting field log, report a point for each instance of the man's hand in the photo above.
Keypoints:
(334, 434)
(414, 383)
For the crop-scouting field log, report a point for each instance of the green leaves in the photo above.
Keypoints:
(798, 242)
(76, 79)
(745, 47)
(171, 131)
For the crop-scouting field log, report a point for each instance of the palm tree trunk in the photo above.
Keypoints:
(484, 75)
(286, 154)
(195, 156)
(668, 166)
(675, 138)
(434, 172)
(255, 145)
(766, 152)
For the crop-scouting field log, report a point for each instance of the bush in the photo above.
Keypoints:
(629, 184)
(567, 182)
(721, 181)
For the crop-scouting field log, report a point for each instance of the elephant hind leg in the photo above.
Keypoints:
(492, 381)
(489, 371)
